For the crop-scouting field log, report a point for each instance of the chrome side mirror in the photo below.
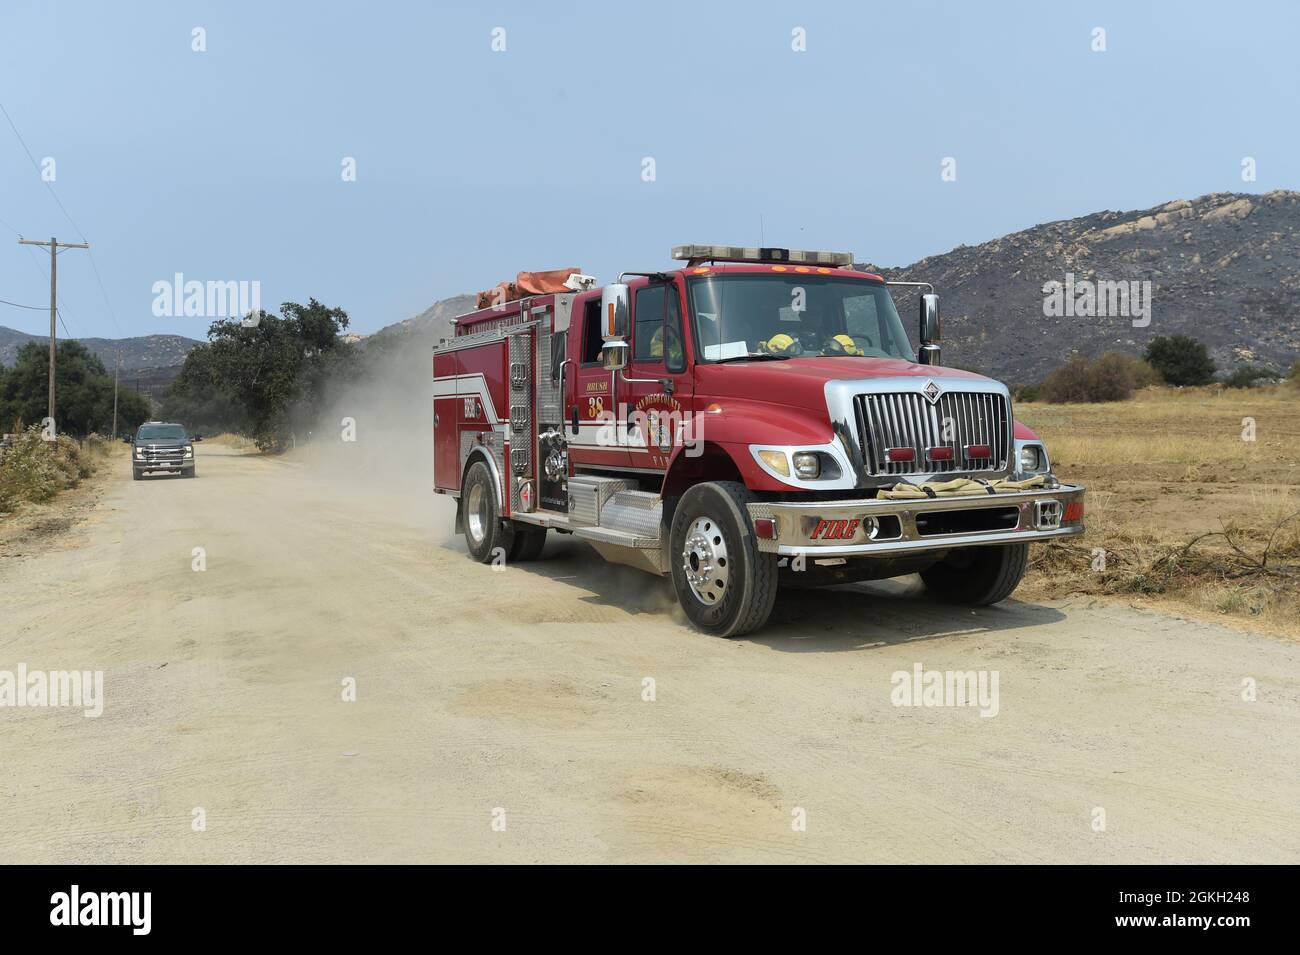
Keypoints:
(931, 330)
(614, 355)
(614, 325)
(614, 311)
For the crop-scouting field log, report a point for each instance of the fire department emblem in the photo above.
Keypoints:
(931, 391)
(660, 432)
(659, 415)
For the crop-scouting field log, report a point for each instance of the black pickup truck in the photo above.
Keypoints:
(160, 446)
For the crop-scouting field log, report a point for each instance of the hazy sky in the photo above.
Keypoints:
(473, 164)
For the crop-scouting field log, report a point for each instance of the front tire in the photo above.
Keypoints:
(724, 583)
(977, 576)
(487, 536)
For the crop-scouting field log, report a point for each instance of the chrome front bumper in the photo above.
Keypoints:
(839, 528)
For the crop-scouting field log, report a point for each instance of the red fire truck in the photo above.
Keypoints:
(755, 419)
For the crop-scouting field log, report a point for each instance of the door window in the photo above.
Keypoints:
(657, 338)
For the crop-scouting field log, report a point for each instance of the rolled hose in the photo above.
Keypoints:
(958, 487)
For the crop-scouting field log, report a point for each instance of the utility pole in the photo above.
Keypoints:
(54, 245)
(117, 368)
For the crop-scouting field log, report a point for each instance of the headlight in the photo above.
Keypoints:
(807, 464)
(139, 452)
(189, 451)
(1031, 458)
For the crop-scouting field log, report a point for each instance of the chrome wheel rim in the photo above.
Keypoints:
(476, 517)
(705, 562)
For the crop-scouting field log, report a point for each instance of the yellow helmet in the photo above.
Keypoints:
(843, 345)
(780, 344)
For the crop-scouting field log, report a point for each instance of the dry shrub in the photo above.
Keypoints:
(1251, 568)
(1112, 377)
(34, 470)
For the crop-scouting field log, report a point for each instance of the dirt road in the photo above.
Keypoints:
(523, 690)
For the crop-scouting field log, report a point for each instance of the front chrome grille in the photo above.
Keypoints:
(958, 420)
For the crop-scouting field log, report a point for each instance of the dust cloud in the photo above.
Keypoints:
(373, 437)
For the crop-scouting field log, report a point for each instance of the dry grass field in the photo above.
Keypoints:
(1191, 514)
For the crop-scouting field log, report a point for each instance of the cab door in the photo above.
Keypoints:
(656, 387)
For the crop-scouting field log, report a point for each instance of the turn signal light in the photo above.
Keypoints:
(1073, 513)
(777, 461)
(765, 527)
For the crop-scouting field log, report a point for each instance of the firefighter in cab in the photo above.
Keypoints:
(675, 353)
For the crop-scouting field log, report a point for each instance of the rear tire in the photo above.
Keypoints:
(724, 583)
(529, 541)
(487, 536)
(977, 576)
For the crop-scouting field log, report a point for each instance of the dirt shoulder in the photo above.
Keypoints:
(33, 527)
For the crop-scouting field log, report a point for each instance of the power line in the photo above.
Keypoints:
(45, 276)
(53, 246)
(39, 271)
(112, 314)
(37, 167)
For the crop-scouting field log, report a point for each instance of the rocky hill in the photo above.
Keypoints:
(431, 324)
(146, 351)
(1223, 268)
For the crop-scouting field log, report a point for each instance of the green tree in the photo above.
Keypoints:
(1180, 360)
(198, 400)
(273, 374)
(83, 391)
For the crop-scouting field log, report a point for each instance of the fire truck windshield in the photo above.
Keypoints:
(776, 315)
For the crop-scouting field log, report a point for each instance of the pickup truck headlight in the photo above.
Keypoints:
(189, 450)
(139, 452)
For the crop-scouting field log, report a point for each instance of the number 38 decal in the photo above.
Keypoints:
(595, 407)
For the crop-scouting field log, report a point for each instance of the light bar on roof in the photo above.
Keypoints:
(736, 253)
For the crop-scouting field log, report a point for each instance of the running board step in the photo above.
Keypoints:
(634, 512)
(622, 547)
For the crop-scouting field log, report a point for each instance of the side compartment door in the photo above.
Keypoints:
(446, 416)
(553, 372)
(483, 387)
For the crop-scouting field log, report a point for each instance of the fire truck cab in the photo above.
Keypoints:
(754, 419)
